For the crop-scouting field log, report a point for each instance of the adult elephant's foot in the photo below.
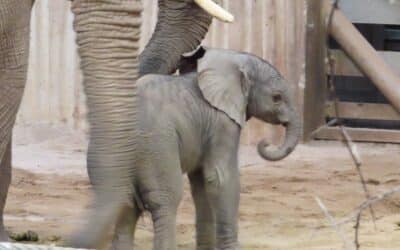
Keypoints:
(3, 234)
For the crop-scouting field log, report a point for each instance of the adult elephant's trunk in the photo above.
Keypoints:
(181, 26)
(293, 129)
(108, 33)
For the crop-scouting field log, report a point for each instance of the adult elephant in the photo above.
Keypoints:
(108, 33)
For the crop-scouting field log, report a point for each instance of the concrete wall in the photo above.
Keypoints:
(272, 29)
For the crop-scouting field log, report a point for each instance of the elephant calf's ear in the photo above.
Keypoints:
(221, 81)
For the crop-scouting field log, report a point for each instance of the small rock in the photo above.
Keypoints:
(54, 238)
(373, 182)
(30, 236)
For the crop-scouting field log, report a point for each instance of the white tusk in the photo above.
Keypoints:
(215, 10)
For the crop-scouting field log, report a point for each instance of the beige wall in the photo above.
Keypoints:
(272, 29)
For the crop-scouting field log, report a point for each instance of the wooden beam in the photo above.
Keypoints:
(345, 67)
(371, 11)
(360, 134)
(368, 111)
(315, 77)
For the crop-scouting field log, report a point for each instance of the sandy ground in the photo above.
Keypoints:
(50, 193)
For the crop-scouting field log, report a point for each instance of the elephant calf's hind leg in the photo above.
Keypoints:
(223, 192)
(161, 190)
(205, 216)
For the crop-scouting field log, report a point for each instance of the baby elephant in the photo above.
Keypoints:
(191, 124)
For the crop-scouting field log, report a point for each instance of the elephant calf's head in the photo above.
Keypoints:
(243, 86)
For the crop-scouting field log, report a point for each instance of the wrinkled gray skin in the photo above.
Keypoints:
(108, 33)
(14, 46)
(191, 124)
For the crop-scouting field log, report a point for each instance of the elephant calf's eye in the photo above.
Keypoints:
(277, 98)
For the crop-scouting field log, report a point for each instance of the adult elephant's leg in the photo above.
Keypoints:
(14, 50)
(125, 229)
(108, 33)
(5, 180)
(205, 216)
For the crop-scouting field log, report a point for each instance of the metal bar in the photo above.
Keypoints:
(360, 134)
(371, 11)
(364, 55)
(345, 67)
(368, 111)
(392, 34)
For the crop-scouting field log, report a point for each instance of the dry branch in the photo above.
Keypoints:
(357, 162)
(368, 203)
(334, 225)
(346, 137)
(329, 124)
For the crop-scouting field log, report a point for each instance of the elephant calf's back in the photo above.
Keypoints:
(174, 116)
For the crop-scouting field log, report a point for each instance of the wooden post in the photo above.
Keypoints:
(315, 78)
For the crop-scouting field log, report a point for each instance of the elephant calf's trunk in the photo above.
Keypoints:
(292, 137)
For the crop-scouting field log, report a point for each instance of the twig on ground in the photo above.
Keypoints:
(333, 223)
(366, 204)
(330, 123)
(358, 162)
(356, 230)
(358, 212)
(351, 146)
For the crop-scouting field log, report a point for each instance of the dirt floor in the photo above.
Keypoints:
(50, 193)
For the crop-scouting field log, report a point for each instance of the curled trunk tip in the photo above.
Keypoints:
(292, 137)
(267, 151)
